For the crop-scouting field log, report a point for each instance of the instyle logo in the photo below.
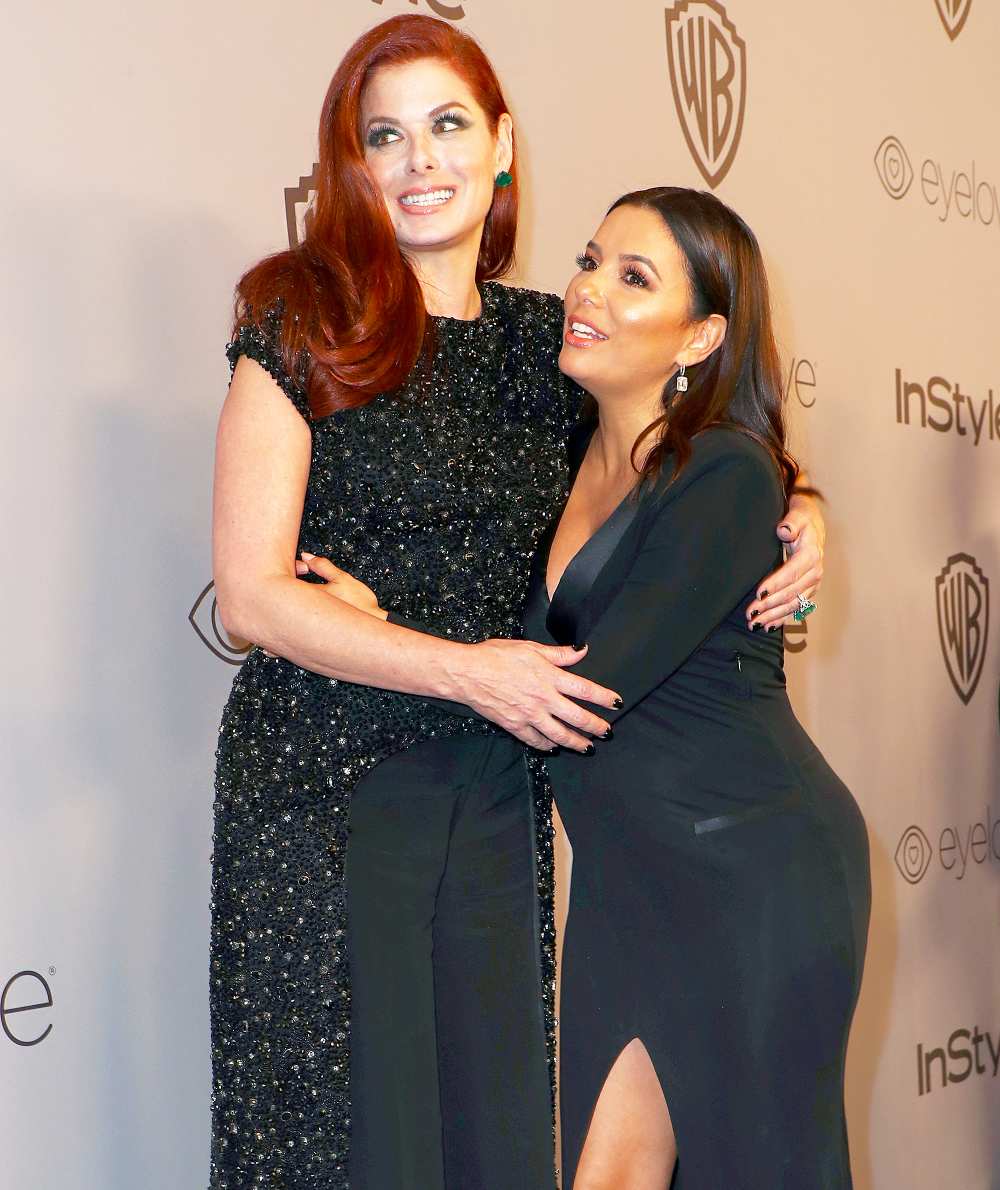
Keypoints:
(940, 405)
(204, 618)
(954, 848)
(953, 193)
(298, 206)
(953, 14)
(966, 1054)
(708, 75)
(450, 12)
(26, 992)
(963, 614)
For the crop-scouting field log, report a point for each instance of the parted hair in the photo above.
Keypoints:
(739, 384)
(349, 297)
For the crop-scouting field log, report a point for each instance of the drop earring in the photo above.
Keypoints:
(682, 380)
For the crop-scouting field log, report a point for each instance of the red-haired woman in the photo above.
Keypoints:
(396, 410)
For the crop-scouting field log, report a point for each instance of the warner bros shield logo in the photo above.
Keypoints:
(953, 14)
(963, 612)
(708, 74)
(298, 207)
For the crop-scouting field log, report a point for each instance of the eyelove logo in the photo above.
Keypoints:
(708, 75)
(982, 416)
(953, 14)
(955, 1061)
(963, 613)
(952, 192)
(450, 12)
(204, 619)
(956, 846)
(24, 993)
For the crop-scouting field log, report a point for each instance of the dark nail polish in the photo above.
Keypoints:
(589, 750)
(753, 625)
(755, 613)
(764, 594)
(607, 735)
(580, 648)
(618, 703)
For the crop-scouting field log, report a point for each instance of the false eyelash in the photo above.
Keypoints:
(452, 118)
(631, 272)
(376, 131)
(583, 260)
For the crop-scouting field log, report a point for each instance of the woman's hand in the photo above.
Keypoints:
(803, 532)
(519, 685)
(340, 584)
(525, 689)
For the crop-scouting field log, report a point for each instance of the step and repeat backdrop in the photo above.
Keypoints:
(152, 153)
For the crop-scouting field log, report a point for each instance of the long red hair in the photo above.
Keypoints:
(350, 298)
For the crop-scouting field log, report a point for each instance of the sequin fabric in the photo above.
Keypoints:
(435, 497)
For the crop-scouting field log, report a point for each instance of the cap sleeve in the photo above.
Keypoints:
(260, 340)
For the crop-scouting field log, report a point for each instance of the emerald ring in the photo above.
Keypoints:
(806, 608)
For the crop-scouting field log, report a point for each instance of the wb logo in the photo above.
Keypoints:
(708, 74)
(963, 612)
(204, 617)
(953, 14)
(450, 12)
(893, 165)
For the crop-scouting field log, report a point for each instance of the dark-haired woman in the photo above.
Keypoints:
(396, 411)
(720, 896)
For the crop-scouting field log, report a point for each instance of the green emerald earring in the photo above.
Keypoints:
(504, 179)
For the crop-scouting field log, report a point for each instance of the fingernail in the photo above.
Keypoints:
(306, 557)
(755, 613)
(607, 735)
(618, 703)
(579, 648)
(753, 625)
(763, 595)
(589, 750)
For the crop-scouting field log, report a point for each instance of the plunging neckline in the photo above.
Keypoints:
(604, 529)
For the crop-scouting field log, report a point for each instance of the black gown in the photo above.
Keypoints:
(720, 894)
(436, 498)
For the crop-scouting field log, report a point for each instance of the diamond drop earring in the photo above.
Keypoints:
(682, 380)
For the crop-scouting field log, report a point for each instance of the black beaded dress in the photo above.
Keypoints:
(435, 497)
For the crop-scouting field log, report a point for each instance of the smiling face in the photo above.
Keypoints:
(431, 151)
(628, 324)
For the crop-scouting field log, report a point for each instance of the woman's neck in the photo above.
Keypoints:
(447, 277)
(621, 423)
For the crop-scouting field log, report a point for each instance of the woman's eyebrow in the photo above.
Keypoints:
(444, 107)
(642, 260)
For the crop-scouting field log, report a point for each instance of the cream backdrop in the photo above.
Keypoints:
(147, 150)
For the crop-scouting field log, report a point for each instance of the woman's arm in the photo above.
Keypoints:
(711, 536)
(262, 467)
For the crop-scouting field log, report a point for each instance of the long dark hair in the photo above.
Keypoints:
(350, 297)
(739, 384)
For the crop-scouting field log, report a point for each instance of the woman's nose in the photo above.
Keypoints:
(588, 289)
(423, 158)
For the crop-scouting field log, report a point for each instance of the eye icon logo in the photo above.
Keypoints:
(913, 855)
(963, 612)
(953, 14)
(893, 166)
(204, 618)
(708, 75)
